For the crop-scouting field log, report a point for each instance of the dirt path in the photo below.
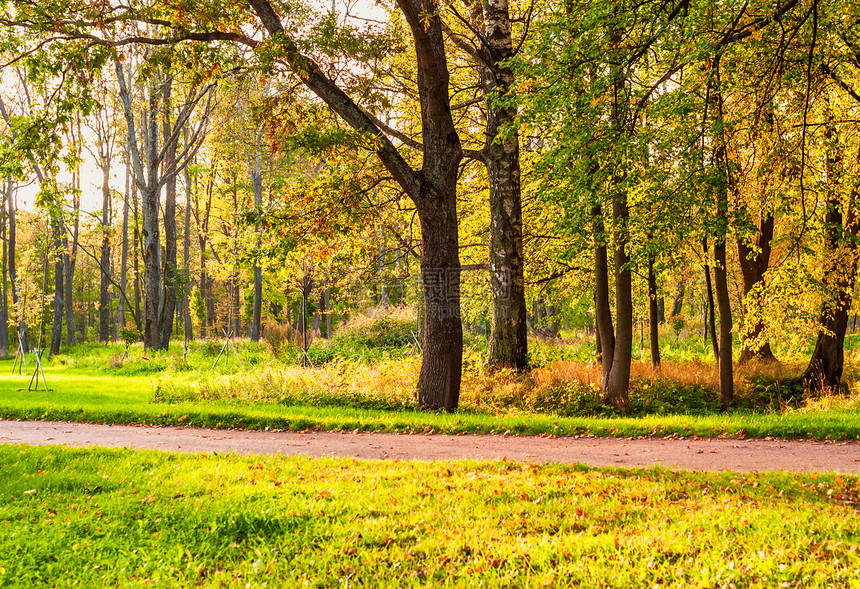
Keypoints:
(689, 454)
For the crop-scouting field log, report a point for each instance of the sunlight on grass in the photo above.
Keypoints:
(121, 517)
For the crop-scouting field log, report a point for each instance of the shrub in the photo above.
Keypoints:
(281, 338)
(387, 327)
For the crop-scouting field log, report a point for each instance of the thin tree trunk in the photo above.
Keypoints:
(13, 274)
(678, 301)
(186, 257)
(653, 315)
(710, 316)
(723, 303)
(136, 254)
(105, 282)
(4, 292)
(123, 269)
(170, 277)
(57, 325)
(605, 331)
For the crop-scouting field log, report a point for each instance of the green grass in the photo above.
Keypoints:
(127, 400)
(131, 518)
(365, 379)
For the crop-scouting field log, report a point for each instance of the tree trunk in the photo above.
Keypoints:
(186, 258)
(824, 371)
(508, 345)
(721, 285)
(257, 182)
(616, 387)
(13, 273)
(441, 369)
(236, 303)
(605, 331)
(754, 263)
(136, 255)
(105, 282)
(433, 189)
(678, 301)
(725, 352)
(653, 315)
(710, 318)
(70, 252)
(123, 268)
(57, 325)
(4, 292)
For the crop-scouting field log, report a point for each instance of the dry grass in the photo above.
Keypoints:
(281, 337)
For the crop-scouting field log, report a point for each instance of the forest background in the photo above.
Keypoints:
(558, 169)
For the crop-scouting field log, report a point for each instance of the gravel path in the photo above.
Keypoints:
(689, 454)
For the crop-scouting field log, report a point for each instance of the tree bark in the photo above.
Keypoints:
(616, 387)
(186, 257)
(754, 263)
(13, 273)
(653, 315)
(605, 331)
(508, 344)
(105, 282)
(4, 292)
(710, 318)
(678, 301)
(123, 268)
(170, 276)
(57, 325)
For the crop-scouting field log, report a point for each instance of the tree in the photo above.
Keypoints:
(491, 52)
(156, 166)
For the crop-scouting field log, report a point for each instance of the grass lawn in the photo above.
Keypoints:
(155, 391)
(137, 518)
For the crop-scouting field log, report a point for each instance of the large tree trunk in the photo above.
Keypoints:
(754, 262)
(150, 229)
(615, 388)
(433, 189)
(443, 331)
(653, 315)
(105, 282)
(508, 334)
(824, 371)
